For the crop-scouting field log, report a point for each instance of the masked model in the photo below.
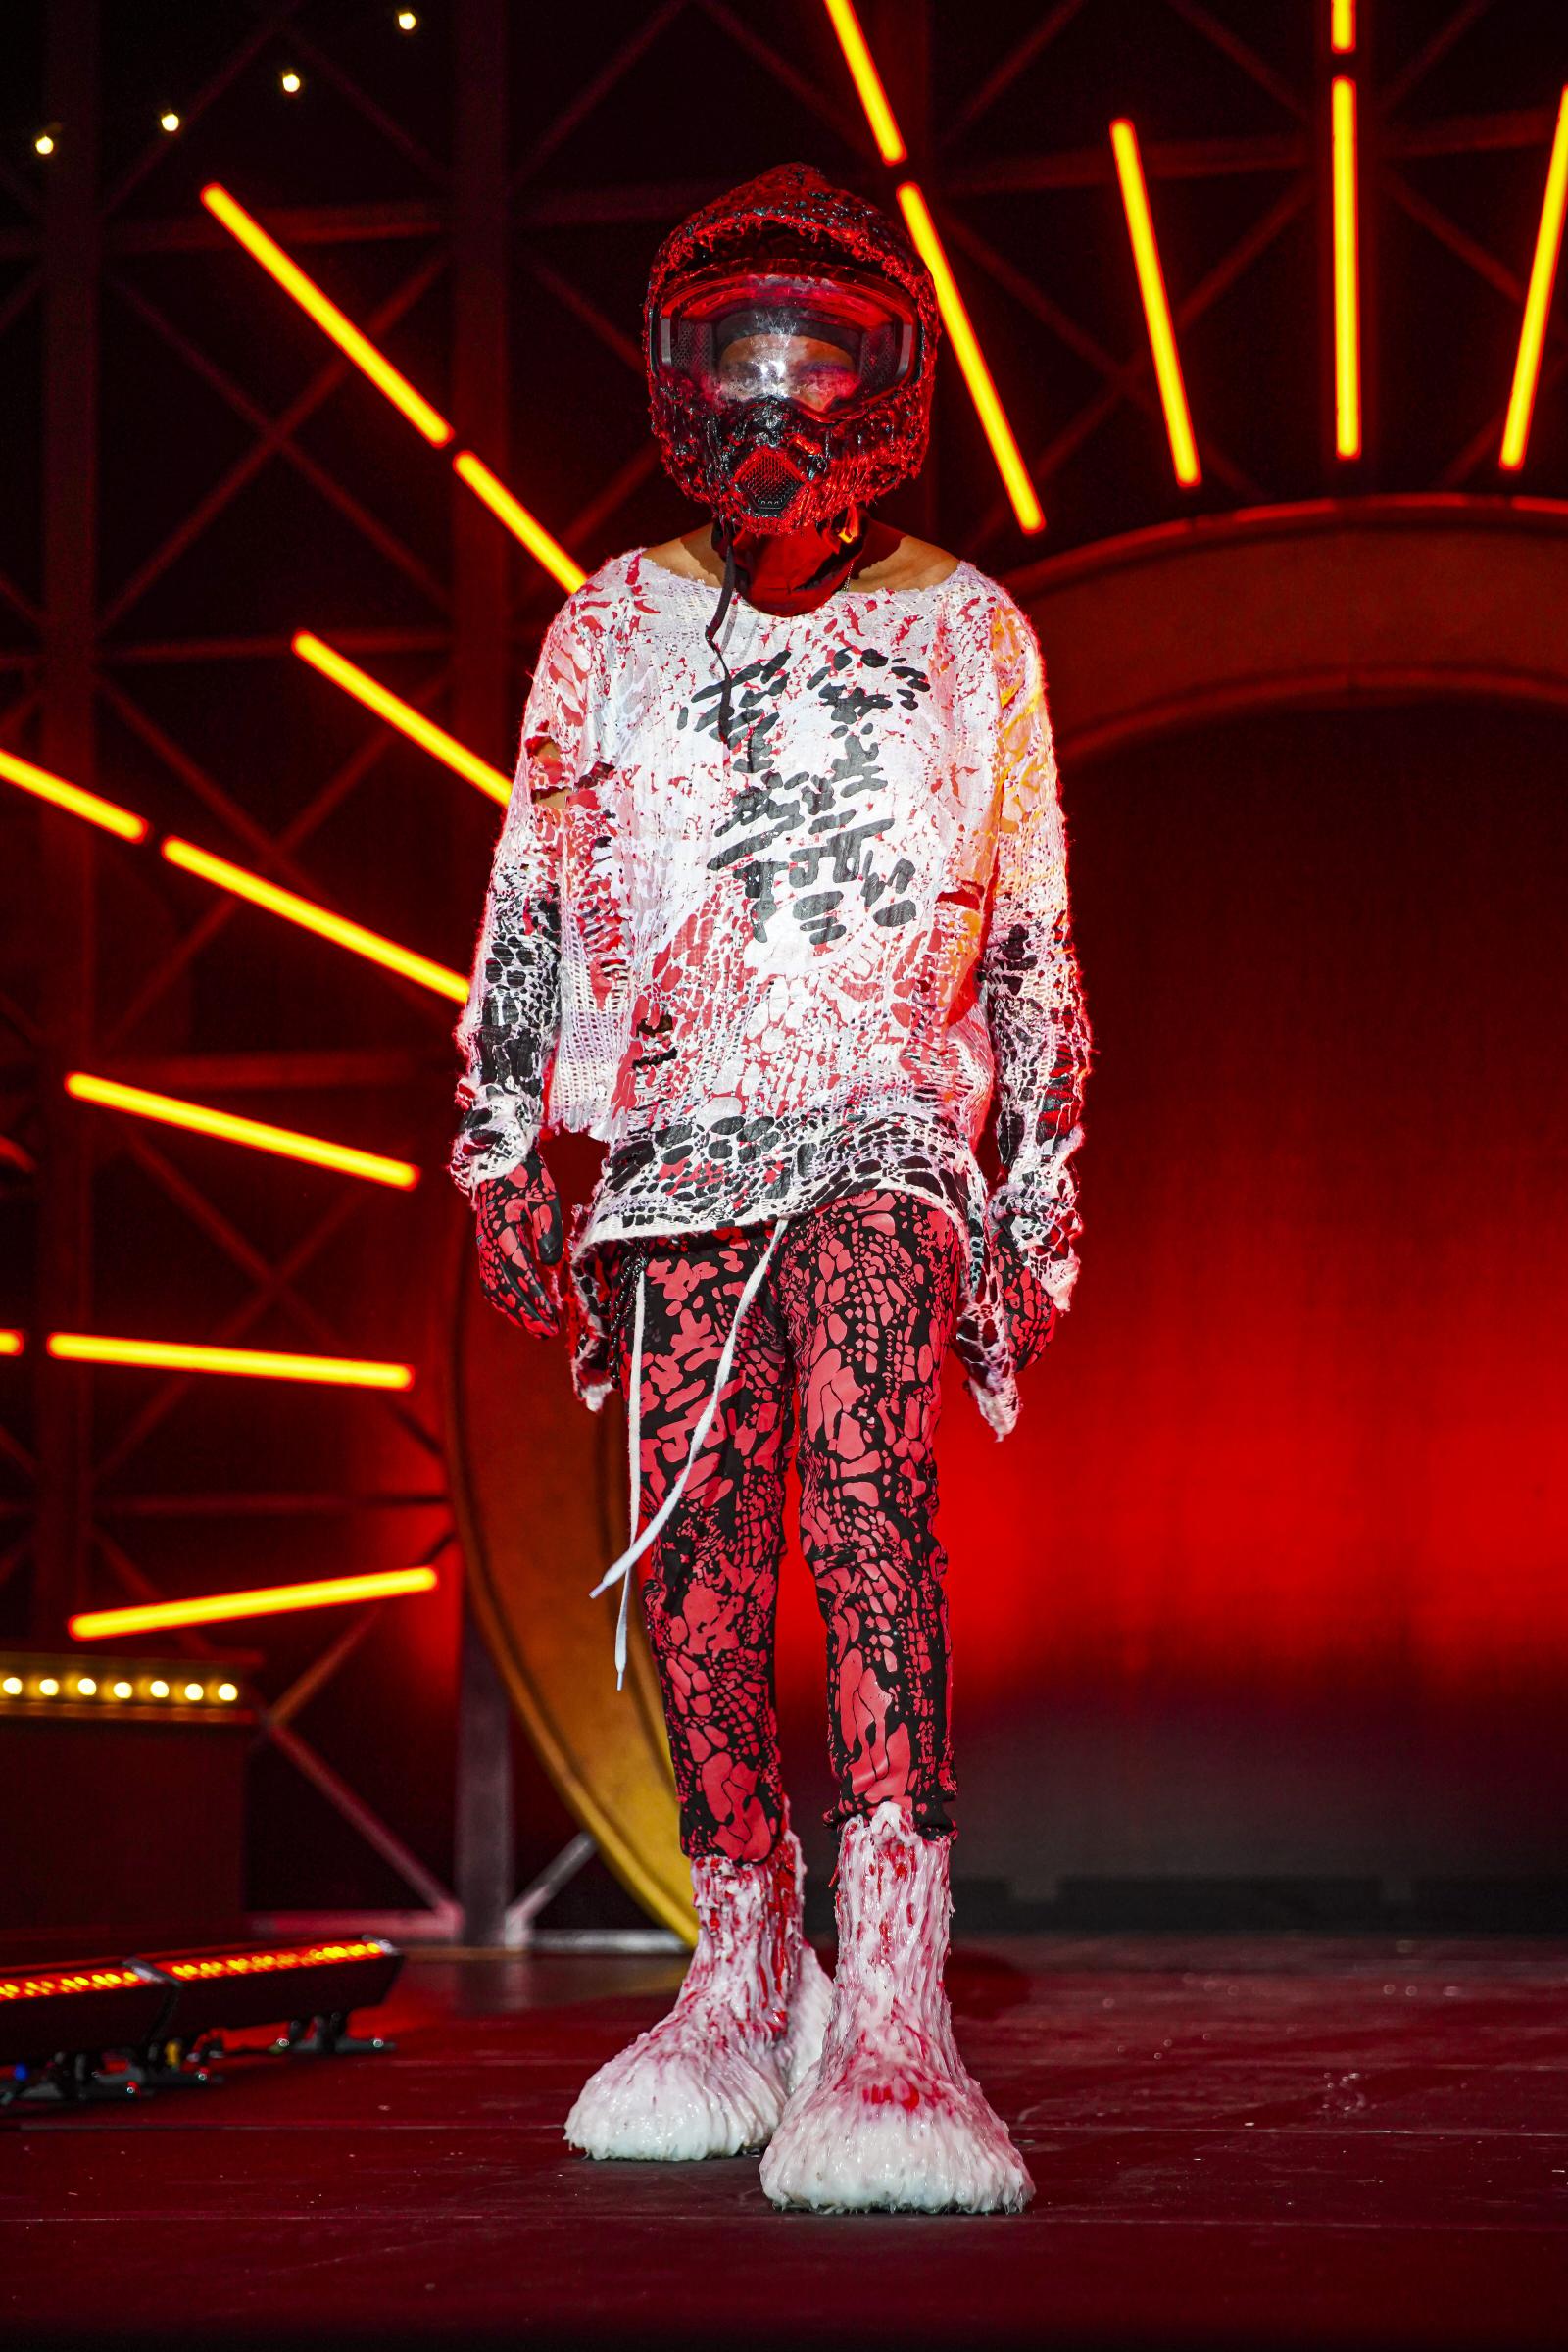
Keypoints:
(780, 901)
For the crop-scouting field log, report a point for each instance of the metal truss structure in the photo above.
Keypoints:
(482, 196)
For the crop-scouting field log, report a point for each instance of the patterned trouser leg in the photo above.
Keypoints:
(853, 1320)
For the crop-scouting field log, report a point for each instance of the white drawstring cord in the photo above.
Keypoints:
(634, 1449)
(620, 1571)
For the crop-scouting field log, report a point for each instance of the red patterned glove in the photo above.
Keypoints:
(520, 1234)
(1027, 1305)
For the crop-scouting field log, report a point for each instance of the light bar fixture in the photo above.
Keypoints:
(270, 1600)
(967, 350)
(519, 523)
(30, 1683)
(1538, 301)
(1341, 26)
(327, 315)
(244, 1363)
(867, 80)
(1346, 273)
(403, 716)
(310, 917)
(1156, 307)
(72, 798)
(171, 1111)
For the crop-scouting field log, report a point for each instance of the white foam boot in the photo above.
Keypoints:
(891, 2120)
(712, 2078)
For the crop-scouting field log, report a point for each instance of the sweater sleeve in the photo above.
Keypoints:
(507, 1034)
(1030, 987)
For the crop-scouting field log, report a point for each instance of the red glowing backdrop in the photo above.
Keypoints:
(1269, 1580)
(1266, 1584)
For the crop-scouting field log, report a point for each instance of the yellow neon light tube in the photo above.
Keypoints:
(310, 917)
(256, 1134)
(403, 716)
(72, 798)
(244, 1363)
(355, 346)
(270, 1600)
(1538, 301)
(1347, 275)
(1157, 308)
(867, 80)
(517, 519)
(966, 351)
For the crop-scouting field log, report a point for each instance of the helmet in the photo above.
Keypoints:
(791, 336)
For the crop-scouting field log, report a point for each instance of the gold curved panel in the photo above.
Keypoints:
(539, 1487)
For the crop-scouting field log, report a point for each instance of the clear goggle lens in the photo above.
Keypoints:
(824, 343)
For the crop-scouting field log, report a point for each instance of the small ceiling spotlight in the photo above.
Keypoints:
(159, 1690)
(11, 1686)
(195, 1690)
(48, 1687)
(86, 1686)
(169, 121)
(44, 143)
(407, 21)
(123, 1691)
(291, 83)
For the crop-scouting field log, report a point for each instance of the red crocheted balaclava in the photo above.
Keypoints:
(792, 459)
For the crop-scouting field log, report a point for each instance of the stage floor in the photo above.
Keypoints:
(1275, 2141)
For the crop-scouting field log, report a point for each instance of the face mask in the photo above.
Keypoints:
(790, 336)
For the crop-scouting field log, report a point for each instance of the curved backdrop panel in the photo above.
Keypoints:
(1268, 1580)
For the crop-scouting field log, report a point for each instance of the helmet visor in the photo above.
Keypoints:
(824, 343)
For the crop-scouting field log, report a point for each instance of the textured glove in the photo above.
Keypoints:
(519, 1235)
(1027, 1305)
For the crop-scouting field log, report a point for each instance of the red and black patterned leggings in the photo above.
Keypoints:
(853, 1320)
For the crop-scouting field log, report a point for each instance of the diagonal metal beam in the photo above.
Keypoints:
(1001, 77)
(193, 108)
(210, 794)
(275, 439)
(810, 94)
(168, 1393)
(1240, 54)
(224, 911)
(612, 493)
(619, 62)
(313, 54)
(582, 306)
(1436, 46)
(359, 1816)
(1465, 248)
(319, 1672)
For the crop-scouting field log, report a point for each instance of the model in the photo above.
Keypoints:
(780, 903)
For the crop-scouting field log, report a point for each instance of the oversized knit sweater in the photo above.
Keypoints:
(783, 938)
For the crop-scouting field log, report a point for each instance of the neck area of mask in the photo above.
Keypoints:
(794, 571)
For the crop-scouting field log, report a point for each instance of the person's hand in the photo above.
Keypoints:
(520, 1235)
(1027, 1305)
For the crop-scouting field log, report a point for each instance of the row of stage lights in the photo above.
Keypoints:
(148, 1690)
(290, 81)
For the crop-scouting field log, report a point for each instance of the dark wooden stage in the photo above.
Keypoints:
(1271, 2142)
